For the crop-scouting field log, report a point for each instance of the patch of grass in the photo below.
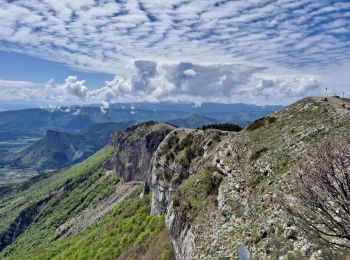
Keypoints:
(256, 155)
(196, 193)
(261, 122)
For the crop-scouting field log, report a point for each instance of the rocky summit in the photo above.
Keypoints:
(161, 192)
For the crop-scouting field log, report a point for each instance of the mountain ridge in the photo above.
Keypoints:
(208, 190)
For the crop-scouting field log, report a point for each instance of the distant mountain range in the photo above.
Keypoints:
(53, 138)
(60, 149)
(193, 121)
(36, 121)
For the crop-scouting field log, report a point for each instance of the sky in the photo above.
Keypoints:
(55, 52)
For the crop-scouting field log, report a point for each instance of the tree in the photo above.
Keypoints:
(320, 203)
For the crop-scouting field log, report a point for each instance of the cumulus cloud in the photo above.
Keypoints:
(189, 82)
(75, 87)
(151, 81)
(190, 73)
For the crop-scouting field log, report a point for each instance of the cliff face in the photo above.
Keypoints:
(221, 189)
(216, 189)
(135, 148)
(183, 153)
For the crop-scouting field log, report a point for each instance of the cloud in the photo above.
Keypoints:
(190, 50)
(285, 89)
(190, 73)
(151, 81)
(75, 87)
(105, 35)
(154, 82)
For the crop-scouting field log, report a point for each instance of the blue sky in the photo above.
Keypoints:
(23, 67)
(254, 51)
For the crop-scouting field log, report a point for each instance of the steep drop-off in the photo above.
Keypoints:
(89, 210)
(225, 191)
(205, 192)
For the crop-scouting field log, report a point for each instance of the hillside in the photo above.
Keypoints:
(60, 149)
(63, 204)
(193, 121)
(235, 181)
(204, 193)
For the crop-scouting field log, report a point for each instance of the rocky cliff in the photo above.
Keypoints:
(135, 148)
(213, 190)
(219, 189)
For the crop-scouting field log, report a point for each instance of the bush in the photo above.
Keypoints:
(322, 193)
(261, 122)
(256, 155)
(224, 127)
(196, 193)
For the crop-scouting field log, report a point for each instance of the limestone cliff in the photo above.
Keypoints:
(219, 189)
(134, 149)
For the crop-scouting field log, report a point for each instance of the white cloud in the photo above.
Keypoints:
(190, 73)
(75, 87)
(105, 35)
(151, 81)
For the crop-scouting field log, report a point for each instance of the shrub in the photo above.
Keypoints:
(224, 127)
(196, 193)
(256, 155)
(261, 122)
(322, 193)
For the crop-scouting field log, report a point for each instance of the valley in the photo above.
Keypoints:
(14, 175)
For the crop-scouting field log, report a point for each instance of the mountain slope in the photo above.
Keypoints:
(73, 209)
(60, 149)
(234, 181)
(193, 121)
(213, 189)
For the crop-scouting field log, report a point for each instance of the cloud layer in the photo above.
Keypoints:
(105, 35)
(258, 51)
(152, 81)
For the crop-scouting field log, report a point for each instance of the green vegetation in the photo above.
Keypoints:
(256, 155)
(127, 231)
(224, 127)
(185, 149)
(197, 193)
(145, 124)
(67, 193)
(261, 122)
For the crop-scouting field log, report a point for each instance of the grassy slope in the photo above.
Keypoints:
(69, 191)
(128, 232)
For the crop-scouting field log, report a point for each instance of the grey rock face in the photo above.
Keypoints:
(169, 167)
(135, 148)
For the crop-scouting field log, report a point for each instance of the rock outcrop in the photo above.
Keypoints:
(134, 149)
(220, 190)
